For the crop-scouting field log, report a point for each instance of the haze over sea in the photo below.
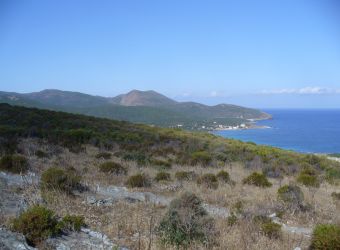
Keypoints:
(308, 131)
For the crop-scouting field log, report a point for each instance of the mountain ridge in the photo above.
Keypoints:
(148, 107)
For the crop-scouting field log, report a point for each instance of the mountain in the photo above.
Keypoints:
(142, 98)
(137, 106)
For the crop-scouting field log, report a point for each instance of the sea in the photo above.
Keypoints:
(306, 131)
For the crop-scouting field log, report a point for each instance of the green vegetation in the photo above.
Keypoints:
(103, 155)
(185, 175)
(144, 144)
(336, 196)
(138, 180)
(163, 176)
(208, 181)
(113, 168)
(290, 194)
(57, 179)
(157, 109)
(71, 223)
(36, 224)
(186, 221)
(308, 177)
(41, 154)
(201, 157)
(326, 237)
(271, 229)
(14, 164)
(223, 176)
(257, 179)
(161, 163)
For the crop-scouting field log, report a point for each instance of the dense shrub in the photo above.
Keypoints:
(223, 176)
(41, 154)
(186, 221)
(336, 196)
(271, 229)
(208, 180)
(36, 224)
(326, 237)
(113, 168)
(103, 155)
(160, 163)
(309, 178)
(163, 176)
(14, 164)
(71, 223)
(185, 175)
(257, 179)
(201, 157)
(58, 179)
(291, 194)
(138, 180)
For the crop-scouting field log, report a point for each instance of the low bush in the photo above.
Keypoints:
(309, 178)
(223, 176)
(113, 168)
(326, 237)
(138, 180)
(41, 154)
(201, 157)
(336, 196)
(36, 224)
(232, 220)
(71, 223)
(103, 155)
(14, 164)
(161, 163)
(271, 229)
(60, 180)
(163, 176)
(185, 175)
(257, 179)
(291, 195)
(208, 180)
(186, 221)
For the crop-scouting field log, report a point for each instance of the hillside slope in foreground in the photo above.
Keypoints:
(91, 182)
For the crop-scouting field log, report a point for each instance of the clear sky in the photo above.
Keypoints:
(256, 53)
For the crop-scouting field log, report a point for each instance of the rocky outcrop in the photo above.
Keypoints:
(10, 240)
(86, 239)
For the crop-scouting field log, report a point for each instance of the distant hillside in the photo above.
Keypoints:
(147, 107)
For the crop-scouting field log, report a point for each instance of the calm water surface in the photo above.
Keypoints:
(312, 131)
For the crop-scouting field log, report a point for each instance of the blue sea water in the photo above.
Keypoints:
(308, 131)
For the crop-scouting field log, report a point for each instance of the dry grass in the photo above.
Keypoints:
(133, 224)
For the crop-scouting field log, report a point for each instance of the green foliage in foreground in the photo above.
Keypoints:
(36, 224)
(71, 223)
(257, 179)
(271, 229)
(14, 164)
(186, 221)
(326, 237)
(309, 178)
(39, 223)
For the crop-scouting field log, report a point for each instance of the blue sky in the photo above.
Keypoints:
(256, 53)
